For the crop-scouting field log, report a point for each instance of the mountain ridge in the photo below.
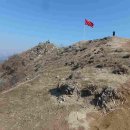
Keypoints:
(29, 84)
(45, 53)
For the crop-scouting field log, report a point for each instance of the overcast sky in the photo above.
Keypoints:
(24, 23)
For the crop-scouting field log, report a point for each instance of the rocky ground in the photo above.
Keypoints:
(81, 87)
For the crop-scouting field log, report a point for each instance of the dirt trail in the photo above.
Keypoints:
(19, 84)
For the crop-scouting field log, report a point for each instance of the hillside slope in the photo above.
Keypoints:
(28, 98)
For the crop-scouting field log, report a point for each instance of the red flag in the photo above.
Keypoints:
(89, 23)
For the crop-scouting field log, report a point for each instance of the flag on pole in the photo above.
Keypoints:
(89, 23)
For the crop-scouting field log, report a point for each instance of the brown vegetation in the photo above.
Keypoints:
(86, 67)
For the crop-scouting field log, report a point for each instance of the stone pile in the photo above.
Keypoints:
(105, 96)
(101, 97)
(67, 89)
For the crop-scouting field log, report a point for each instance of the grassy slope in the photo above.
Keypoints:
(30, 105)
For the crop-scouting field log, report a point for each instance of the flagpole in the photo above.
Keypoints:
(84, 33)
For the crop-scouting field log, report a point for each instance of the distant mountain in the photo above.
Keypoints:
(3, 58)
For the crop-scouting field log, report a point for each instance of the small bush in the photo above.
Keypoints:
(120, 70)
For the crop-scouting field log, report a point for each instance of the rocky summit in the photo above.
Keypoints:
(85, 86)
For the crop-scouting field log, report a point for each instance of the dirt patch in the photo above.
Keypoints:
(80, 118)
(116, 120)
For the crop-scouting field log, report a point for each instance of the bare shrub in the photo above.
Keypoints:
(120, 69)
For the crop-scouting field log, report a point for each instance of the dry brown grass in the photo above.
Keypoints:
(30, 106)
